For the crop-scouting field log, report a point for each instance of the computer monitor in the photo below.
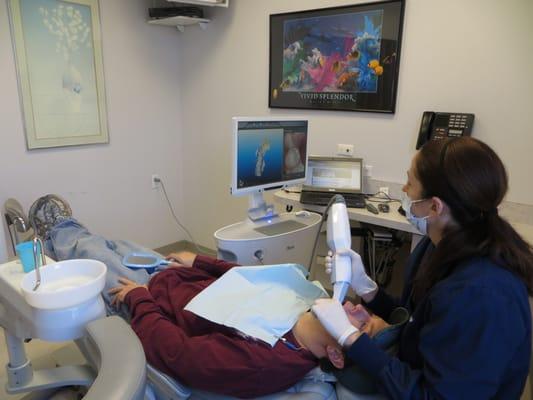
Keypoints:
(334, 174)
(268, 152)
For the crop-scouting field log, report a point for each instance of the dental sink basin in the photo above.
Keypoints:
(65, 284)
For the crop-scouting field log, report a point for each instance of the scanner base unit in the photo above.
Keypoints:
(286, 238)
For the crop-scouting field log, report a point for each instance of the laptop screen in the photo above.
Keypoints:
(334, 174)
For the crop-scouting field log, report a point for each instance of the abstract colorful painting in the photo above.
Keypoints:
(343, 58)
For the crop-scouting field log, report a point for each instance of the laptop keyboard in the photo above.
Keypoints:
(353, 200)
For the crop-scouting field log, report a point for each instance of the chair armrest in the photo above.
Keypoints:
(120, 362)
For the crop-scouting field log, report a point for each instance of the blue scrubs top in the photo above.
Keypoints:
(469, 338)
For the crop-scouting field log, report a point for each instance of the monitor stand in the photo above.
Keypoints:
(259, 209)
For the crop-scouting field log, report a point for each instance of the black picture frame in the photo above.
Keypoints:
(343, 58)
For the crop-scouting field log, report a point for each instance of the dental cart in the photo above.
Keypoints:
(287, 238)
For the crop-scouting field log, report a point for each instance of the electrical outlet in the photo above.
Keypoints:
(383, 191)
(345, 149)
(155, 181)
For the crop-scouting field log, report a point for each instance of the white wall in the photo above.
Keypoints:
(107, 185)
(472, 56)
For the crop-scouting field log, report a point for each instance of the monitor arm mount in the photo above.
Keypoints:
(259, 209)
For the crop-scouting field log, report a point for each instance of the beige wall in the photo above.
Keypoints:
(108, 185)
(472, 56)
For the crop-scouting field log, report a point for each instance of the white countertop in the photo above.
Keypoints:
(393, 219)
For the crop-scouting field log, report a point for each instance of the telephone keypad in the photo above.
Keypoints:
(439, 125)
(457, 121)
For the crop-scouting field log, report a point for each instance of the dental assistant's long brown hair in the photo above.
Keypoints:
(471, 179)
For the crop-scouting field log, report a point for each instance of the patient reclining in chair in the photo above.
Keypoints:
(200, 353)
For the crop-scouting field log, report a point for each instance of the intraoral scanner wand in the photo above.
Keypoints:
(339, 238)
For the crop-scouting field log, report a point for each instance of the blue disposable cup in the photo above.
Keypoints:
(25, 254)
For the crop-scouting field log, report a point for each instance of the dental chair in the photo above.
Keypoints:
(316, 385)
(116, 366)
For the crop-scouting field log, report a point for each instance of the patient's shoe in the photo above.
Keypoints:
(46, 212)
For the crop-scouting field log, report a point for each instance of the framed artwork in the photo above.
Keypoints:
(58, 53)
(340, 58)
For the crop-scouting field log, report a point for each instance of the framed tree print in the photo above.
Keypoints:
(58, 51)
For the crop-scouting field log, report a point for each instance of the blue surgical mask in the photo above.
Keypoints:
(419, 223)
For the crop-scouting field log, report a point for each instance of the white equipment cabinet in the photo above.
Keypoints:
(180, 21)
(209, 3)
(287, 238)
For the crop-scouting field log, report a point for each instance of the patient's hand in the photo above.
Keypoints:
(120, 292)
(183, 258)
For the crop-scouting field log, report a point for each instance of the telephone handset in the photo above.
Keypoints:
(438, 125)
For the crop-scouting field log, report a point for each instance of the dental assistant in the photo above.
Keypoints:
(467, 286)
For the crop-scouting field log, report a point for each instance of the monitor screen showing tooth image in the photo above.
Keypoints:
(268, 153)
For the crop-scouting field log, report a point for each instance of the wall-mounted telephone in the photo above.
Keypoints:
(438, 125)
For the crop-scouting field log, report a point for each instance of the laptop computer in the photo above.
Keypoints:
(328, 176)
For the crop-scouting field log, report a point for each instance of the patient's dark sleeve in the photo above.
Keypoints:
(212, 266)
(217, 361)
